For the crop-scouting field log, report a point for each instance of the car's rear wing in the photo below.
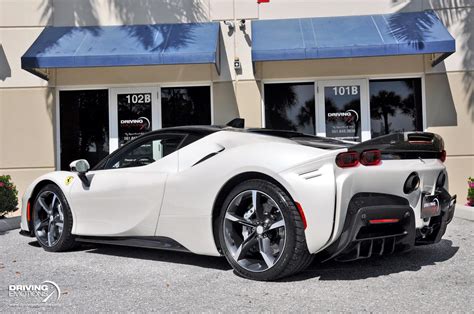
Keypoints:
(408, 145)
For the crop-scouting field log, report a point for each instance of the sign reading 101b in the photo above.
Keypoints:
(134, 115)
(346, 90)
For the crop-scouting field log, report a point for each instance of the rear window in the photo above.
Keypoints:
(305, 139)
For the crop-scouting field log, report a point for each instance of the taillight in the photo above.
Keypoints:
(347, 159)
(442, 155)
(371, 157)
(384, 221)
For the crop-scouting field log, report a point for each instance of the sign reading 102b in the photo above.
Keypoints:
(346, 90)
(138, 98)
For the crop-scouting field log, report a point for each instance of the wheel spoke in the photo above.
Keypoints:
(53, 202)
(266, 251)
(60, 227)
(240, 220)
(256, 203)
(46, 208)
(278, 224)
(42, 224)
(245, 246)
(50, 235)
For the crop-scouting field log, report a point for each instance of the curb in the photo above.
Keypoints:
(464, 212)
(7, 224)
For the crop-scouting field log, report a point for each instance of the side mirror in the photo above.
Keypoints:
(81, 166)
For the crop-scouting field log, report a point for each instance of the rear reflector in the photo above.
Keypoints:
(371, 157)
(383, 221)
(303, 218)
(28, 211)
(442, 155)
(347, 159)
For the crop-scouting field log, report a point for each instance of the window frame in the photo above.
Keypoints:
(366, 78)
(120, 152)
(110, 88)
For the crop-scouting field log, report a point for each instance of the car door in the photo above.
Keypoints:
(124, 197)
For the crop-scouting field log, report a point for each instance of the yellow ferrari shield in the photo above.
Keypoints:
(69, 180)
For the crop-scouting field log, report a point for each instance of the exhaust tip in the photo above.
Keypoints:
(412, 183)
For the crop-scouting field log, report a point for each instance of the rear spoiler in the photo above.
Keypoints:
(408, 145)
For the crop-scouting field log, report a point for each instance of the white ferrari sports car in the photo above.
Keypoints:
(269, 201)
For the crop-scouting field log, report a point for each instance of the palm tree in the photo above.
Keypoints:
(383, 105)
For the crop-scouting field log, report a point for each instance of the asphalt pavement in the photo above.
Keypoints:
(437, 278)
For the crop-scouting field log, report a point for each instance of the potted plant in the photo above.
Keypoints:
(8, 196)
(470, 192)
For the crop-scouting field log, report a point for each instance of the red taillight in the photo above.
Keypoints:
(28, 211)
(300, 209)
(371, 157)
(442, 155)
(347, 159)
(383, 221)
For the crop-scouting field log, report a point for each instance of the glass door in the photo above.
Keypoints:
(343, 110)
(133, 112)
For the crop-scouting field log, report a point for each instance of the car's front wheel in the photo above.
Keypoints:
(52, 220)
(261, 232)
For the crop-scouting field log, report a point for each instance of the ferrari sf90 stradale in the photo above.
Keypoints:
(269, 201)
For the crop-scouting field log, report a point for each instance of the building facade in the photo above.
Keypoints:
(88, 111)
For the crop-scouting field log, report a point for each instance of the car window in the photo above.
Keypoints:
(146, 152)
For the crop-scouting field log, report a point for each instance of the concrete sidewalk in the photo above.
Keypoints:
(464, 212)
(7, 224)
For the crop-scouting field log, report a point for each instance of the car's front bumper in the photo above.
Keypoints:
(378, 224)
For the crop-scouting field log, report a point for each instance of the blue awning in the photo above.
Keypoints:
(350, 36)
(130, 45)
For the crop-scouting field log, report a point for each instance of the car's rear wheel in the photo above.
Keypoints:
(261, 232)
(52, 220)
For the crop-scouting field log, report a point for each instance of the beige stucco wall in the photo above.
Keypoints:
(26, 98)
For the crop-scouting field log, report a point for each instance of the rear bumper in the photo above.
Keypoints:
(367, 231)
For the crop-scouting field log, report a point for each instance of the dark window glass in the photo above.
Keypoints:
(342, 112)
(395, 106)
(84, 126)
(134, 116)
(290, 107)
(186, 106)
(146, 152)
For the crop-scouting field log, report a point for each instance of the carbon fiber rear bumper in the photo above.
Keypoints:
(365, 234)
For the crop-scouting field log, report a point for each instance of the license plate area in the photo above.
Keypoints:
(430, 206)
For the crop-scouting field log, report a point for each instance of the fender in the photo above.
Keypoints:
(63, 179)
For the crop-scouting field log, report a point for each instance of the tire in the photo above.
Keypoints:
(266, 258)
(50, 201)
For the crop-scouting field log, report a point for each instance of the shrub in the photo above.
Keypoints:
(8, 196)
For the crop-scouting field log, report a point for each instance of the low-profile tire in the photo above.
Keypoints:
(52, 220)
(261, 232)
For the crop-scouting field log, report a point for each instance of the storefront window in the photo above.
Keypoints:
(290, 106)
(185, 106)
(395, 106)
(84, 126)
